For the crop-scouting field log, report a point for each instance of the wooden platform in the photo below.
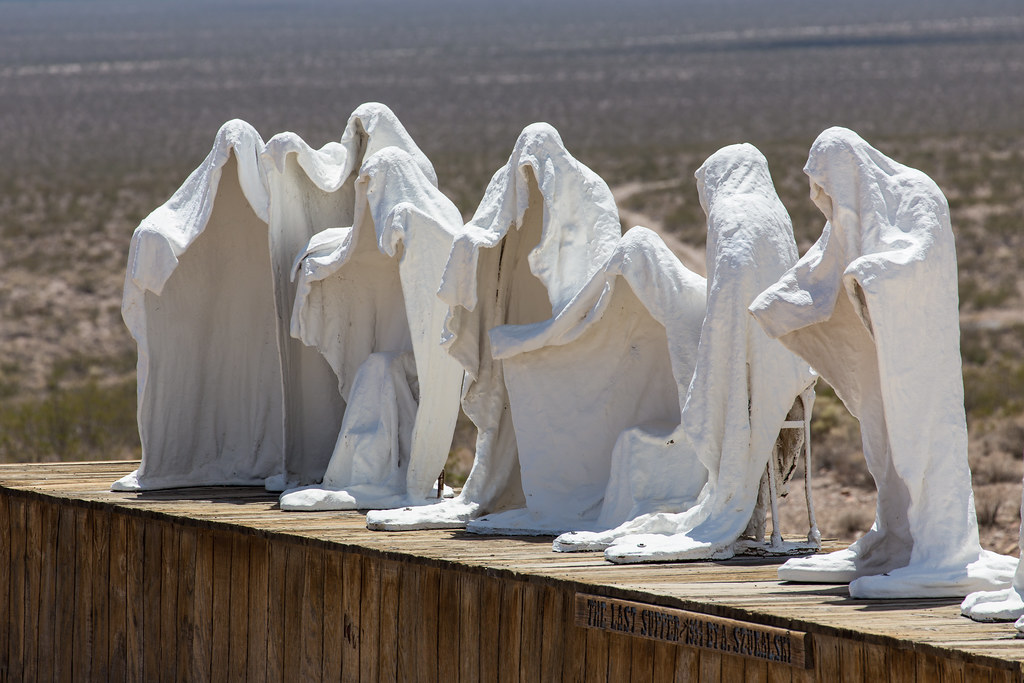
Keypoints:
(218, 584)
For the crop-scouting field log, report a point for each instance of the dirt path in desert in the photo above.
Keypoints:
(691, 257)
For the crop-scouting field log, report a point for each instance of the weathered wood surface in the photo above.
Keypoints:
(219, 584)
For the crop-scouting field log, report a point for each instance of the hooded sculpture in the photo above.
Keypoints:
(743, 385)
(310, 191)
(199, 301)
(225, 396)
(544, 233)
(366, 299)
(873, 307)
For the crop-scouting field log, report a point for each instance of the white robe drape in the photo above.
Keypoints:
(873, 307)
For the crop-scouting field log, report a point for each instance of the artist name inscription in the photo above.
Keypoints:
(727, 636)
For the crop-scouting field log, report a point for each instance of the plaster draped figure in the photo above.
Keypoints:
(366, 298)
(1006, 604)
(872, 306)
(310, 191)
(224, 395)
(542, 323)
(199, 302)
(744, 388)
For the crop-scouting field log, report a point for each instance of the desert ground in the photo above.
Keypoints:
(105, 107)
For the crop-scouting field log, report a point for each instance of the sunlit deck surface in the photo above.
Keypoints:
(216, 582)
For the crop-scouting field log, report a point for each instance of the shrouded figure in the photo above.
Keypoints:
(560, 355)
(226, 396)
(872, 306)
(743, 386)
(367, 300)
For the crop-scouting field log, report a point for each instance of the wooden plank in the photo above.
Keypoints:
(334, 617)
(620, 657)
(642, 666)
(5, 578)
(851, 660)
(408, 618)
(827, 659)
(554, 639)
(711, 667)
(48, 541)
(976, 673)
(171, 568)
(101, 520)
(597, 656)
(33, 569)
(532, 633)
(876, 658)
(135, 585)
(390, 599)
(687, 664)
(257, 648)
(490, 627)
(238, 609)
(574, 659)
(902, 663)
(81, 646)
(16, 619)
(152, 572)
(352, 573)
(220, 601)
(117, 609)
(951, 671)
(664, 656)
(188, 540)
(448, 627)
(369, 620)
(782, 673)
(733, 668)
(201, 660)
(293, 608)
(278, 561)
(469, 626)
(927, 668)
(427, 646)
(510, 631)
(312, 615)
(755, 671)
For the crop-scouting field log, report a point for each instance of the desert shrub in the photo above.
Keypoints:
(987, 506)
(86, 421)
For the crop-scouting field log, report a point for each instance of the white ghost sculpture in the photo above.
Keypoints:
(527, 286)
(199, 301)
(225, 396)
(873, 307)
(366, 298)
(743, 386)
(310, 191)
(595, 395)
(1006, 604)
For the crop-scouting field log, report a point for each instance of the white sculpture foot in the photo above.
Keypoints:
(582, 541)
(836, 567)
(988, 573)
(129, 482)
(660, 523)
(523, 522)
(656, 548)
(448, 514)
(1001, 605)
(366, 497)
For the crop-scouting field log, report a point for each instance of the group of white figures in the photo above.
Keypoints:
(312, 321)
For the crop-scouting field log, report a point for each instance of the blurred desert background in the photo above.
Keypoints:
(106, 107)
